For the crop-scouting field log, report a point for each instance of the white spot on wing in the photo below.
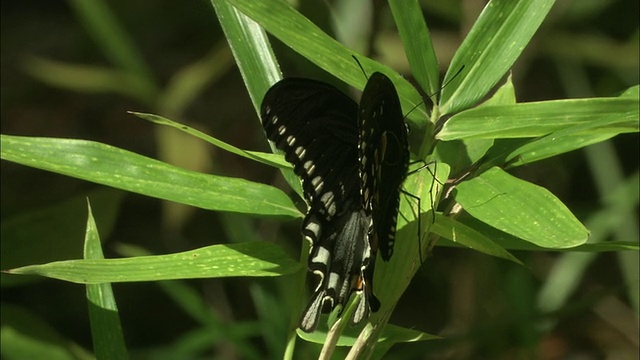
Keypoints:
(329, 202)
(300, 152)
(309, 167)
(317, 184)
(322, 256)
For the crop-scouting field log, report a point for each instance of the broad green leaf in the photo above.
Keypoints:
(229, 260)
(541, 118)
(493, 44)
(106, 329)
(304, 37)
(459, 233)
(520, 208)
(417, 44)
(107, 165)
(264, 158)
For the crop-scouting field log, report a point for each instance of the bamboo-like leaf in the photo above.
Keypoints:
(565, 140)
(417, 43)
(107, 165)
(459, 233)
(493, 44)
(255, 60)
(53, 232)
(304, 37)
(106, 329)
(251, 50)
(229, 260)
(264, 158)
(521, 209)
(541, 118)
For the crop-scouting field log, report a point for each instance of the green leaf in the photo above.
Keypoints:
(493, 44)
(304, 37)
(107, 165)
(522, 209)
(504, 95)
(632, 92)
(251, 50)
(466, 236)
(244, 259)
(264, 158)
(534, 119)
(565, 140)
(510, 242)
(106, 329)
(53, 232)
(255, 60)
(417, 43)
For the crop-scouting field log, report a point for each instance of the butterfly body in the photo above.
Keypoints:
(352, 160)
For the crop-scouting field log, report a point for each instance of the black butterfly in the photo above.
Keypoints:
(352, 161)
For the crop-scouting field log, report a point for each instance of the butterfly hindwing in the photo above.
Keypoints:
(339, 258)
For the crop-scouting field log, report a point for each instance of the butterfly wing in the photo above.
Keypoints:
(316, 126)
(340, 258)
(384, 159)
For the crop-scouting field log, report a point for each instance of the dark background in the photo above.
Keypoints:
(486, 308)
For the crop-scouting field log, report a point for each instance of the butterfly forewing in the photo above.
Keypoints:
(384, 158)
(315, 125)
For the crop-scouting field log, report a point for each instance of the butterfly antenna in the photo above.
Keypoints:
(360, 65)
(434, 94)
(450, 80)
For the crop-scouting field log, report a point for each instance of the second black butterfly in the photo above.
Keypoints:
(352, 161)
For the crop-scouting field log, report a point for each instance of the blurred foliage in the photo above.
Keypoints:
(73, 70)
